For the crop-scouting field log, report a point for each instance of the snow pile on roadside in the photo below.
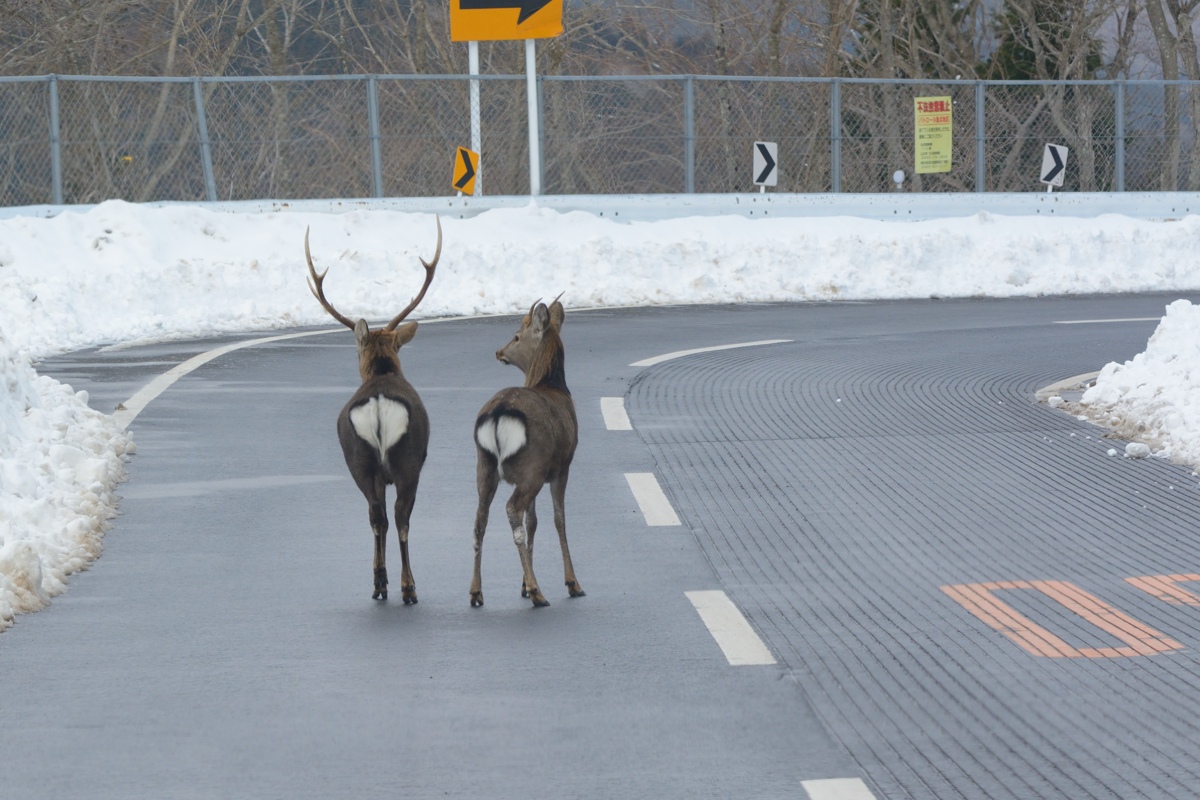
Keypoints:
(1155, 398)
(59, 464)
(121, 272)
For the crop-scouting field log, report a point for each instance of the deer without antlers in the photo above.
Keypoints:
(383, 429)
(526, 436)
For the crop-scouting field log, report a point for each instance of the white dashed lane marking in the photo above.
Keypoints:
(838, 789)
(733, 633)
(651, 499)
(615, 418)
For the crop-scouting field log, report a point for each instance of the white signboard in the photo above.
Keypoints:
(766, 161)
(1054, 164)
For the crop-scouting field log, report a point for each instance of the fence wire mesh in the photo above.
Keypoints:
(84, 140)
(133, 141)
(26, 174)
(605, 137)
(732, 114)
(289, 140)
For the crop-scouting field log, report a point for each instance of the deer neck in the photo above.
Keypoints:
(377, 366)
(548, 370)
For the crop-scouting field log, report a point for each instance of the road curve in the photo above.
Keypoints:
(937, 568)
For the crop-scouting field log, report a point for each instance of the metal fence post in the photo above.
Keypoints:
(835, 135)
(1119, 166)
(980, 139)
(689, 135)
(541, 114)
(210, 183)
(56, 176)
(376, 153)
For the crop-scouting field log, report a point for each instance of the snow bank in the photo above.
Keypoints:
(122, 272)
(59, 464)
(1155, 397)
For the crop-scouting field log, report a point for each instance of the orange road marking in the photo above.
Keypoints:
(1166, 588)
(1140, 640)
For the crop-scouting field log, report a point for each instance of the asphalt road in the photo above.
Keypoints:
(938, 565)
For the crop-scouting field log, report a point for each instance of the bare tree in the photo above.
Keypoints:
(1172, 22)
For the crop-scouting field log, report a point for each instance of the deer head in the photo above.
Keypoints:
(379, 350)
(536, 349)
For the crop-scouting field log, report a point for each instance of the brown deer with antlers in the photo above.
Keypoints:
(526, 436)
(383, 430)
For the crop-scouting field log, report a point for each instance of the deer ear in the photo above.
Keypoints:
(405, 333)
(360, 331)
(541, 318)
(557, 314)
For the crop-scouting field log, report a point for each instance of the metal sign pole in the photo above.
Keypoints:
(535, 156)
(476, 136)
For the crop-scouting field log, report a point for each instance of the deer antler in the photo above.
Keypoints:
(318, 290)
(429, 268)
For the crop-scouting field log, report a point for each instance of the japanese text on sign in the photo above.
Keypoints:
(934, 134)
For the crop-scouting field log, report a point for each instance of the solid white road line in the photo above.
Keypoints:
(838, 789)
(649, 362)
(128, 411)
(615, 418)
(656, 508)
(733, 633)
(1095, 321)
(136, 404)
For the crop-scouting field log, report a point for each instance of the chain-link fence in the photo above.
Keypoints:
(87, 139)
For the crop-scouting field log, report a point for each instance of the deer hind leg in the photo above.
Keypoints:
(379, 526)
(487, 478)
(405, 497)
(558, 491)
(520, 501)
(530, 530)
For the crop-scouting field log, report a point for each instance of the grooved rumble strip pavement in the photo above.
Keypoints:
(838, 485)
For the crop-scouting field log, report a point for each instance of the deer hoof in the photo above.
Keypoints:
(538, 600)
(476, 599)
(410, 596)
(574, 589)
(524, 591)
(380, 594)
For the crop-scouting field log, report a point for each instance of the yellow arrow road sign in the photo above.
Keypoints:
(491, 20)
(466, 167)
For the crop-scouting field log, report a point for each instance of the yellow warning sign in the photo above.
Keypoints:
(466, 167)
(492, 20)
(934, 134)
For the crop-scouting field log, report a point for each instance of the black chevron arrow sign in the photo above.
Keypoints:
(468, 170)
(1054, 161)
(527, 7)
(768, 162)
(765, 154)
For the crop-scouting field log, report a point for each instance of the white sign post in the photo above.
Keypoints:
(766, 161)
(477, 143)
(535, 139)
(1054, 164)
(476, 134)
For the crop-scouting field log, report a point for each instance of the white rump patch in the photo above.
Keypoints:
(502, 438)
(381, 422)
